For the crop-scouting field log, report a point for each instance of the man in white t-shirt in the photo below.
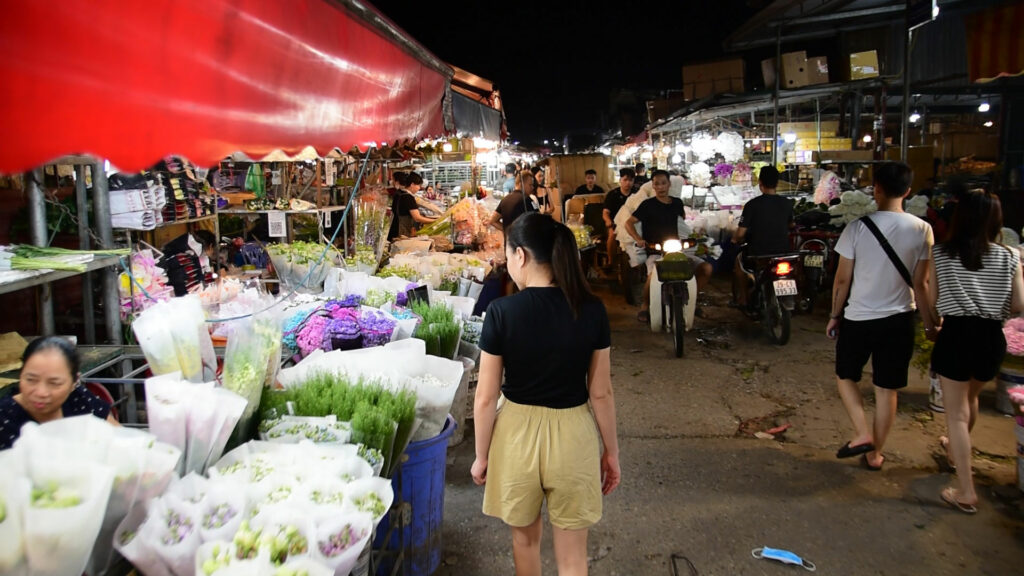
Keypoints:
(878, 321)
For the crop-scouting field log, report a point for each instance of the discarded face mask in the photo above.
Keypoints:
(784, 556)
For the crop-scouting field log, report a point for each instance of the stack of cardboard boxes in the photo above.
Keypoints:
(798, 70)
(808, 148)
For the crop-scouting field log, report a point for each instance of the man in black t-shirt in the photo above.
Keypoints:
(518, 202)
(659, 217)
(764, 225)
(614, 200)
(591, 187)
(641, 176)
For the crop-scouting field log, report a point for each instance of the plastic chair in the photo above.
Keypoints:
(101, 392)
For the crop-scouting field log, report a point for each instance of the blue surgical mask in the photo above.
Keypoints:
(784, 556)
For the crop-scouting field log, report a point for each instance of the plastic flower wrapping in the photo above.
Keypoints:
(174, 338)
(400, 365)
(1013, 330)
(303, 266)
(149, 279)
(828, 188)
(742, 174)
(66, 485)
(917, 205)
(267, 506)
(251, 361)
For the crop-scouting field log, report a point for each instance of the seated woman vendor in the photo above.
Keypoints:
(49, 389)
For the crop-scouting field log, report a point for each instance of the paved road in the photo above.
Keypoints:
(698, 483)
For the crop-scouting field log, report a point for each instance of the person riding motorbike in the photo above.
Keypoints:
(764, 225)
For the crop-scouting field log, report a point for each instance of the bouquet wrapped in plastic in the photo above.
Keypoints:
(174, 338)
(251, 362)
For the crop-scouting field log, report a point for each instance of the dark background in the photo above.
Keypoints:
(558, 63)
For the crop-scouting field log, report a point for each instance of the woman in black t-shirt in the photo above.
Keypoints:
(405, 212)
(48, 389)
(551, 343)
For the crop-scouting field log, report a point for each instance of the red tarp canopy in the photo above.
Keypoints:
(135, 81)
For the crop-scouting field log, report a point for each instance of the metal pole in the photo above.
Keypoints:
(905, 133)
(775, 95)
(88, 312)
(101, 206)
(37, 229)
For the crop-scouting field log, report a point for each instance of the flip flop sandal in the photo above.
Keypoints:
(643, 316)
(949, 497)
(867, 464)
(848, 451)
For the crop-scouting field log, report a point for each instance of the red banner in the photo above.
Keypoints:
(135, 81)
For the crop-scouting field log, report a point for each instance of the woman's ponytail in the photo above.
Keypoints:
(567, 269)
(552, 243)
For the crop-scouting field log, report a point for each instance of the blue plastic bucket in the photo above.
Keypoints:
(422, 477)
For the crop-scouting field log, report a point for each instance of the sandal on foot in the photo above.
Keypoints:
(867, 463)
(848, 451)
(643, 316)
(949, 497)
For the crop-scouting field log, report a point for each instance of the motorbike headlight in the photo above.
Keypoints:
(673, 246)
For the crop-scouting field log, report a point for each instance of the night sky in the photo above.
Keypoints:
(557, 61)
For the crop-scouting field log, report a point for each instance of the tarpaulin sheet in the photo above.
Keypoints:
(135, 81)
(475, 118)
(995, 44)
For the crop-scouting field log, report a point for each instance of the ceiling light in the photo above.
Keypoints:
(676, 158)
(914, 117)
(984, 107)
(867, 138)
(789, 137)
(447, 147)
(988, 124)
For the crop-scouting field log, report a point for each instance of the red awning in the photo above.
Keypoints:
(135, 81)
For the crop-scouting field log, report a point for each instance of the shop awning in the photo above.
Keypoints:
(475, 118)
(135, 81)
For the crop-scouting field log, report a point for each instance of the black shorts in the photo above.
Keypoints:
(969, 348)
(888, 341)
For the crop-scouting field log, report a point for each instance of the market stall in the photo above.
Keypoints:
(326, 475)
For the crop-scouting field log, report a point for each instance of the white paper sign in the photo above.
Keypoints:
(327, 219)
(329, 166)
(275, 224)
(275, 177)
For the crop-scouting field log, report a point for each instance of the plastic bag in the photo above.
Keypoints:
(131, 543)
(435, 392)
(291, 532)
(341, 539)
(222, 512)
(156, 341)
(230, 407)
(173, 533)
(373, 496)
(59, 540)
(14, 497)
(251, 361)
(167, 409)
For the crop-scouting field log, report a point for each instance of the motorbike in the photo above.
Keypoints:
(775, 292)
(815, 253)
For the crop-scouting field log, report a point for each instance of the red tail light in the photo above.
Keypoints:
(783, 268)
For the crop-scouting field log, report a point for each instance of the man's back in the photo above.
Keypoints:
(878, 289)
(767, 219)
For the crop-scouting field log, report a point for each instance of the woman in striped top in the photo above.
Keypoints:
(979, 285)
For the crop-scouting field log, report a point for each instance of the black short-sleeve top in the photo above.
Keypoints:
(546, 352)
(13, 416)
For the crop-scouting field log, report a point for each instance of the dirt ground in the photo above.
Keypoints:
(697, 484)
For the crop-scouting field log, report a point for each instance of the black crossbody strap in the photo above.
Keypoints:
(900, 266)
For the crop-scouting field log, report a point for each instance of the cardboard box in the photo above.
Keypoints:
(817, 70)
(794, 71)
(864, 65)
(844, 156)
(828, 128)
(708, 78)
(663, 107)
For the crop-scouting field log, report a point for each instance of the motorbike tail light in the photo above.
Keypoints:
(783, 268)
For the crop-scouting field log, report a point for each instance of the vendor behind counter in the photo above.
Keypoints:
(49, 388)
(187, 260)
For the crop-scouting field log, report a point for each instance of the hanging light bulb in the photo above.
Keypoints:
(789, 137)
(676, 158)
(988, 124)
(867, 138)
(447, 147)
(984, 107)
(646, 156)
(914, 117)
(666, 150)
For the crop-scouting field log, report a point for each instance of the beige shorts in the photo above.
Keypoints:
(539, 453)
